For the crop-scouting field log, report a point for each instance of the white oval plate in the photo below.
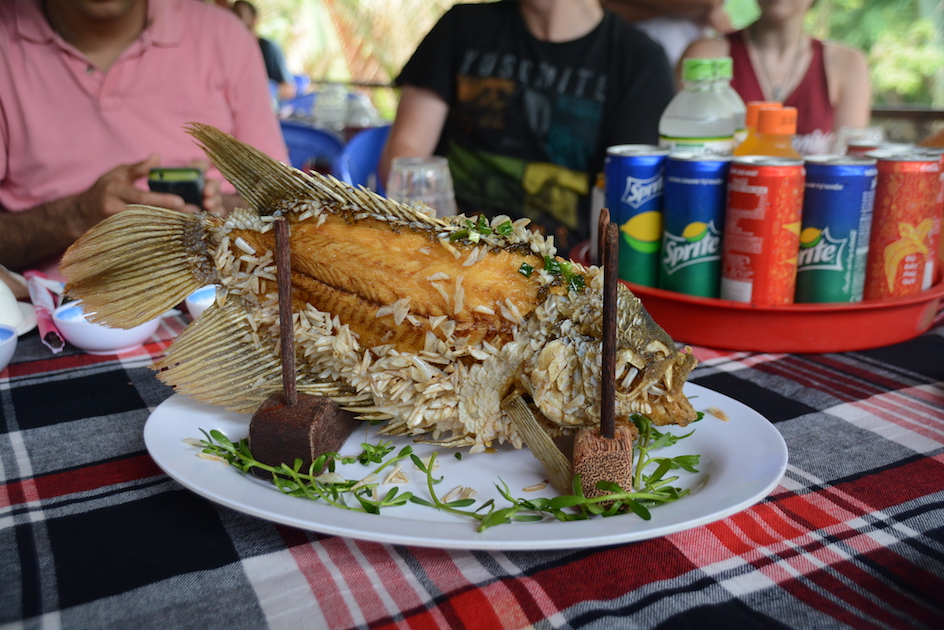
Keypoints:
(742, 460)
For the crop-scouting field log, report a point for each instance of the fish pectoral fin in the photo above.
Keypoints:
(219, 360)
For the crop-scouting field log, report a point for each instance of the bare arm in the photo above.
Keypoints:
(849, 88)
(30, 236)
(421, 116)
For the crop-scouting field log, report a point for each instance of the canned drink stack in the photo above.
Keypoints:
(905, 226)
(837, 218)
(634, 185)
(762, 230)
(693, 216)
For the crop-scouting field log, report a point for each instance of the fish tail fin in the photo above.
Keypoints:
(133, 266)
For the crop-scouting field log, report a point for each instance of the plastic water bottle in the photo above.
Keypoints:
(724, 72)
(330, 109)
(698, 120)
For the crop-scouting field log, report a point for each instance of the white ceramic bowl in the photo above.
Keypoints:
(95, 338)
(8, 339)
(200, 300)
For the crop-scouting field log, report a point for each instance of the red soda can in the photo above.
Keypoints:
(762, 229)
(906, 225)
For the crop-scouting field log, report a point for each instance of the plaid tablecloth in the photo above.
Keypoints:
(93, 535)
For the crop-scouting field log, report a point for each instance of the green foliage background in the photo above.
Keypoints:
(904, 41)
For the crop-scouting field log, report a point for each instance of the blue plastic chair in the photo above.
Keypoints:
(312, 149)
(302, 83)
(303, 105)
(360, 158)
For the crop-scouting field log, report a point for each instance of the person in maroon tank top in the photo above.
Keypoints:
(774, 60)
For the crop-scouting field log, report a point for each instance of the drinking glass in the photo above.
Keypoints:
(424, 179)
(846, 135)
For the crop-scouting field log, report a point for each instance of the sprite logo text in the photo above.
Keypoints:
(640, 191)
(682, 251)
(825, 252)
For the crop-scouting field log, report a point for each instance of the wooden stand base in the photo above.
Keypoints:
(597, 458)
(279, 433)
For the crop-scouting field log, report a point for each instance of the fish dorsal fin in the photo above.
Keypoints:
(272, 188)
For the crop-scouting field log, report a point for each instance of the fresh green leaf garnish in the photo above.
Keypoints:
(525, 270)
(651, 485)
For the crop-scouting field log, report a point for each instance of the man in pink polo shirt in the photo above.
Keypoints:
(94, 93)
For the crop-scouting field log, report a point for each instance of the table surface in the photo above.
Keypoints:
(94, 535)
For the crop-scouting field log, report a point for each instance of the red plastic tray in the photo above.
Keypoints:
(795, 328)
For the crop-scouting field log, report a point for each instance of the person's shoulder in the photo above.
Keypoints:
(621, 32)
(464, 13)
(843, 54)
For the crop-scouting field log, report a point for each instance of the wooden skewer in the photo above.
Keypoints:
(608, 375)
(603, 221)
(283, 260)
(607, 454)
(288, 425)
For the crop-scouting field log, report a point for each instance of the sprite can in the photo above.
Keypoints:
(634, 197)
(834, 235)
(693, 216)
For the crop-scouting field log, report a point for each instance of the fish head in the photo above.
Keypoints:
(564, 375)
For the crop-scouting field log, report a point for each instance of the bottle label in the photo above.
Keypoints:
(721, 146)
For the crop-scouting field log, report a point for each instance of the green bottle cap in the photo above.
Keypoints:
(698, 69)
(724, 68)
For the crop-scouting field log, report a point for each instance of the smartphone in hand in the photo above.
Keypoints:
(186, 182)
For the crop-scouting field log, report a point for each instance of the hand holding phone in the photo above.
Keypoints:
(186, 182)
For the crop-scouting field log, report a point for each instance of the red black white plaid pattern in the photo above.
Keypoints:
(93, 535)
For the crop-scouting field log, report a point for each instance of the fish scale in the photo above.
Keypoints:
(429, 323)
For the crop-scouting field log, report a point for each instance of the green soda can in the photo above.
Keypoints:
(693, 212)
(837, 221)
(634, 175)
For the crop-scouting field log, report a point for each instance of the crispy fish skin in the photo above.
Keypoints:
(426, 322)
(338, 268)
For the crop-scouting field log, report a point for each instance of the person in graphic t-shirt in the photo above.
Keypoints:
(523, 98)
(774, 60)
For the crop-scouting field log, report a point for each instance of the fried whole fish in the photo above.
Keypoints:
(428, 323)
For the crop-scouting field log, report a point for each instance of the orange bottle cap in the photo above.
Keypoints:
(754, 107)
(781, 122)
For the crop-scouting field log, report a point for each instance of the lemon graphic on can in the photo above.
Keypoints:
(695, 231)
(643, 232)
(810, 236)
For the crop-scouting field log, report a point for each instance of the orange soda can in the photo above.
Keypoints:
(762, 229)
(906, 224)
